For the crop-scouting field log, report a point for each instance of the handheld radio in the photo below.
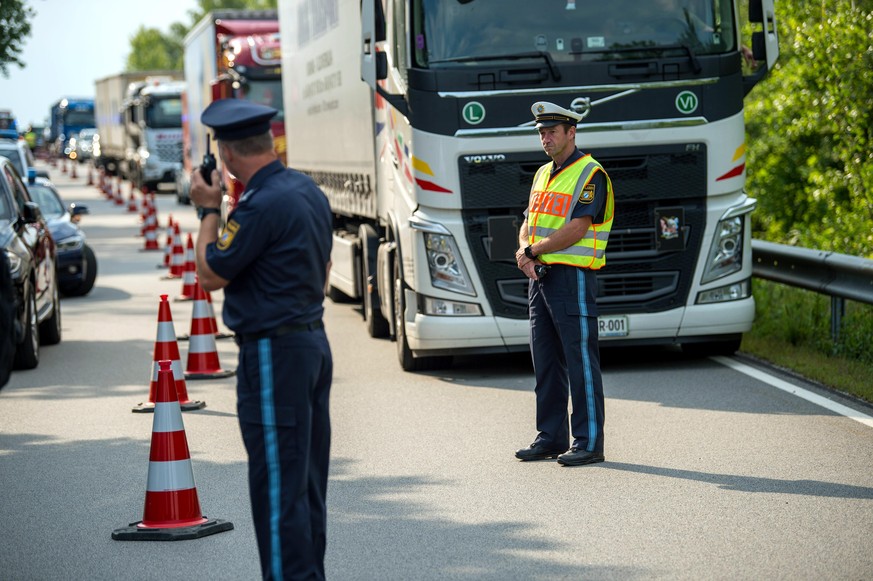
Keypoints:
(208, 164)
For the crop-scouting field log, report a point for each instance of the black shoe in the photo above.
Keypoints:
(579, 457)
(537, 452)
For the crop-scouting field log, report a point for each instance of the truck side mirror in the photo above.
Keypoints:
(756, 11)
(381, 66)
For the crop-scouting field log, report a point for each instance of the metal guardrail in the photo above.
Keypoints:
(838, 275)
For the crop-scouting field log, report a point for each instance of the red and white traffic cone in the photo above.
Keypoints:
(73, 174)
(168, 247)
(177, 258)
(151, 237)
(145, 212)
(202, 354)
(90, 177)
(119, 196)
(172, 508)
(131, 202)
(218, 334)
(189, 273)
(167, 348)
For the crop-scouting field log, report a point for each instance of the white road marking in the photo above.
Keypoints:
(795, 390)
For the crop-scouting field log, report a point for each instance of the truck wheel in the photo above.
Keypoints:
(404, 353)
(27, 352)
(377, 325)
(50, 329)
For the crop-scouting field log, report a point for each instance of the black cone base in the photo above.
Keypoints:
(134, 533)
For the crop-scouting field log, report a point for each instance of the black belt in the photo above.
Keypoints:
(278, 332)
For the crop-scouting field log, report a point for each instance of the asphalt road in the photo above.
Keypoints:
(710, 473)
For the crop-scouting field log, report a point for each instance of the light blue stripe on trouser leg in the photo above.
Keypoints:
(271, 452)
(586, 361)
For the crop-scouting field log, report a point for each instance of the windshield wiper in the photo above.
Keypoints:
(540, 54)
(692, 56)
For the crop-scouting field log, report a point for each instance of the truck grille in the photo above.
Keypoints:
(637, 277)
(168, 151)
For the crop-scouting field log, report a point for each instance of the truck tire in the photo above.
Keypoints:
(377, 325)
(404, 353)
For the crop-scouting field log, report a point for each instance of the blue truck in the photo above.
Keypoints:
(69, 116)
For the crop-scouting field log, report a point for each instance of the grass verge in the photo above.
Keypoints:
(792, 330)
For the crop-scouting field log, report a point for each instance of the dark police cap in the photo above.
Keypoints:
(232, 119)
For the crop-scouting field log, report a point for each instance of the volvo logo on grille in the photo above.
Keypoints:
(489, 158)
(581, 105)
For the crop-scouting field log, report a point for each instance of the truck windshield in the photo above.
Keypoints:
(164, 112)
(264, 91)
(82, 118)
(453, 31)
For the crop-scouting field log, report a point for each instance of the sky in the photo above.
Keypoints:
(73, 43)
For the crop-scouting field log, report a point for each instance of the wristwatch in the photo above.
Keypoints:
(202, 212)
(529, 253)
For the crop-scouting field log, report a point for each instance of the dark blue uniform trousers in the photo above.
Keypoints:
(283, 389)
(566, 358)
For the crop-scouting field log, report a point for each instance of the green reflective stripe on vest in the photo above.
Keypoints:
(551, 207)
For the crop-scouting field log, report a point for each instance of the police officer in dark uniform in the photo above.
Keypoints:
(272, 259)
(562, 243)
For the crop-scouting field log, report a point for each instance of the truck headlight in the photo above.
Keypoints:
(446, 266)
(732, 292)
(726, 252)
(447, 308)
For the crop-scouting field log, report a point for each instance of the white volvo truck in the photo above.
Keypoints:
(414, 117)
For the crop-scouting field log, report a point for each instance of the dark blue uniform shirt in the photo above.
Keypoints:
(274, 251)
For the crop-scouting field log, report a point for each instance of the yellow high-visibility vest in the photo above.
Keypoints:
(551, 206)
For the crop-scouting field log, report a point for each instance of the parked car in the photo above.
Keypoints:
(32, 254)
(18, 152)
(77, 263)
(82, 145)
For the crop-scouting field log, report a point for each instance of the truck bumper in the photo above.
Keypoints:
(163, 173)
(430, 335)
(696, 321)
(433, 335)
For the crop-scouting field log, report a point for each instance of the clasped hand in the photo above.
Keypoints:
(525, 264)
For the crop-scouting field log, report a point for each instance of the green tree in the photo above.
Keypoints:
(14, 28)
(810, 127)
(151, 50)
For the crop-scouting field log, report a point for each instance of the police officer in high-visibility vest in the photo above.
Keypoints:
(272, 259)
(562, 243)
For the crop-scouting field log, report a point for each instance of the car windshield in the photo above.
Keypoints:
(48, 201)
(457, 31)
(13, 155)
